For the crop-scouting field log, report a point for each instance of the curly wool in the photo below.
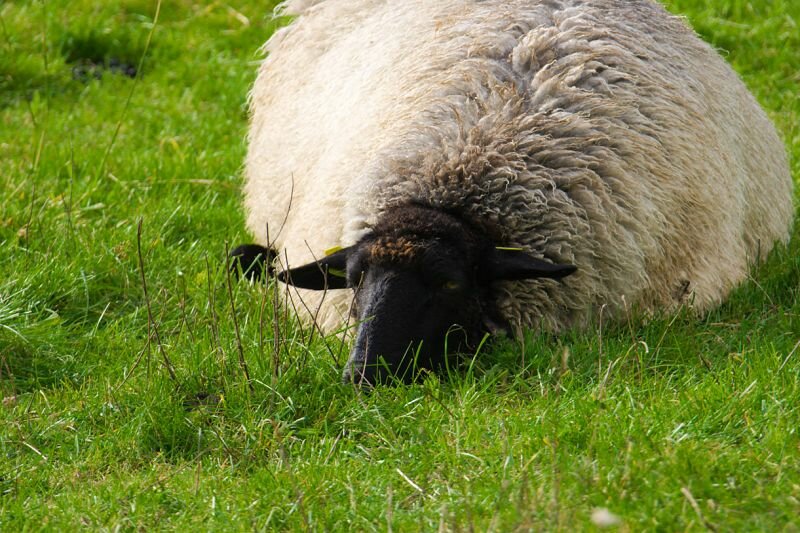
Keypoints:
(603, 134)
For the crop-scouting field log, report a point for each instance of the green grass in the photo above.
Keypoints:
(676, 424)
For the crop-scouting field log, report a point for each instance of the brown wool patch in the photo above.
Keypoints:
(398, 250)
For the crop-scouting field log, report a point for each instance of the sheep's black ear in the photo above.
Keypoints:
(251, 260)
(326, 273)
(512, 264)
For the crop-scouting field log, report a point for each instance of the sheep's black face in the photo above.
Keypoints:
(411, 315)
(422, 282)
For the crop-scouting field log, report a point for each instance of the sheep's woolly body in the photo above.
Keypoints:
(603, 134)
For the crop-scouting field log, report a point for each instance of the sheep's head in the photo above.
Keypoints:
(423, 283)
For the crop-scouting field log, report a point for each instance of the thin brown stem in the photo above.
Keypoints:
(242, 362)
(150, 320)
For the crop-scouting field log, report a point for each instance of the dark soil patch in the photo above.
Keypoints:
(94, 53)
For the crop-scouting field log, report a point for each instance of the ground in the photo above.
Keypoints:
(123, 348)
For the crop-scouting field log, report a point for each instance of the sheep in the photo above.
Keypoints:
(499, 165)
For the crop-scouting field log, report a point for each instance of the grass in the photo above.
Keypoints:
(676, 424)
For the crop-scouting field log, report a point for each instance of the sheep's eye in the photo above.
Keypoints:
(451, 285)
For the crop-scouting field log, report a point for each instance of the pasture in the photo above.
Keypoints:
(125, 348)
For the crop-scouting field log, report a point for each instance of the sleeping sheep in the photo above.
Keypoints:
(487, 165)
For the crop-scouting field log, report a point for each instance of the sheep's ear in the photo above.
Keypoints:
(512, 264)
(252, 260)
(326, 273)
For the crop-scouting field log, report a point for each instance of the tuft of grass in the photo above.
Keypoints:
(676, 422)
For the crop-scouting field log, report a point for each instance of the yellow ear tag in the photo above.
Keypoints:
(508, 249)
(331, 251)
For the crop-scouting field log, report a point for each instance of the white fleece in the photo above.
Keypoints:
(601, 133)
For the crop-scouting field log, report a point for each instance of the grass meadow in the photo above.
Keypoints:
(122, 344)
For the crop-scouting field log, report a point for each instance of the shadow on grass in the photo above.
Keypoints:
(93, 53)
(83, 55)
